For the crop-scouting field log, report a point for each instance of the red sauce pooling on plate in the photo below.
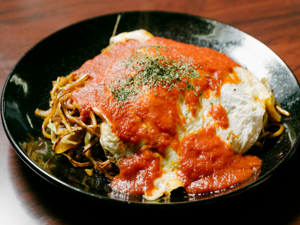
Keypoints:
(145, 108)
(137, 173)
(209, 164)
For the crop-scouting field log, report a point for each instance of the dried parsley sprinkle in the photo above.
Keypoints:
(152, 71)
(190, 87)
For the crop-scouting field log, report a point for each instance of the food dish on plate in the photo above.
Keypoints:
(167, 115)
(29, 83)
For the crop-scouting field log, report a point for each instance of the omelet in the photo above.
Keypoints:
(228, 108)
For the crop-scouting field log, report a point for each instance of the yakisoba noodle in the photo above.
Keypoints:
(161, 109)
(67, 132)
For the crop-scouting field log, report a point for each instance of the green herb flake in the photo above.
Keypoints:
(190, 87)
(152, 71)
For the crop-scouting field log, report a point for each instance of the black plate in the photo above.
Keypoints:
(29, 83)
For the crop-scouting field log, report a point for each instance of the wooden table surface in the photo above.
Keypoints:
(25, 198)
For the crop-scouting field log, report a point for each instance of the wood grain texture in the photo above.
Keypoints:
(25, 198)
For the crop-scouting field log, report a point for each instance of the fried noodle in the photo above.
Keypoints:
(70, 136)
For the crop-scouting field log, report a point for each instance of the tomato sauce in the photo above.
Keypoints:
(209, 164)
(146, 109)
(219, 115)
(137, 173)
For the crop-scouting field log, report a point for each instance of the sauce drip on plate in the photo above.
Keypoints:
(208, 163)
(137, 173)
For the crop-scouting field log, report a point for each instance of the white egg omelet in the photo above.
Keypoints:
(245, 103)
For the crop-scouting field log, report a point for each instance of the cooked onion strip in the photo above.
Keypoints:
(46, 121)
(88, 146)
(99, 166)
(79, 122)
(63, 81)
(102, 167)
(75, 163)
(93, 118)
(282, 111)
(43, 113)
(64, 121)
(70, 88)
(88, 154)
(68, 141)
